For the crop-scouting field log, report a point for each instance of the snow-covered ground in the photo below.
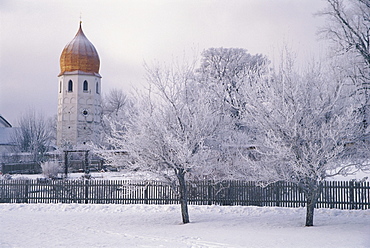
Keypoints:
(73, 225)
(121, 175)
(129, 175)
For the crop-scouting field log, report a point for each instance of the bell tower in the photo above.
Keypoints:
(79, 94)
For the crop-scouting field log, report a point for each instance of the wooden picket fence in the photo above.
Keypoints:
(341, 195)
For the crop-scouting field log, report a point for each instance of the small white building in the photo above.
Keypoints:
(6, 133)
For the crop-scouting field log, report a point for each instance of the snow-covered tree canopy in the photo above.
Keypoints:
(295, 126)
(224, 70)
(348, 28)
(33, 135)
(305, 125)
(174, 122)
(306, 128)
(169, 134)
(115, 102)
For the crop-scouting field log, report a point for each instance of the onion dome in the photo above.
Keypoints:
(79, 56)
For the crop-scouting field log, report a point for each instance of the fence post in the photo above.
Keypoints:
(351, 194)
(66, 163)
(277, 193)
(86, 191)
(86, 163)
(26, 192)
(146, 195)
(209, 193)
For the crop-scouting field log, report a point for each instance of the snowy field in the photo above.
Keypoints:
(129, 175)
(73, 225)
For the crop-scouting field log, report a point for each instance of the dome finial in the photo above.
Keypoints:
(80, 18)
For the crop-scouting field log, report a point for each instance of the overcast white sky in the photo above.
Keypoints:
(126, 33)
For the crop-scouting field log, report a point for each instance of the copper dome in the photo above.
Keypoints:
(80, 55)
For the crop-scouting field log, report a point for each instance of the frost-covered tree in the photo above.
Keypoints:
(348, 27)
(115, 102)
(33, 134)
(171, 134)
(306, 129)
(118, 108)
(223, 71)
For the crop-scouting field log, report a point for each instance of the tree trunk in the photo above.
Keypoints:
(183, 197)
(312, 195)
(311, 201)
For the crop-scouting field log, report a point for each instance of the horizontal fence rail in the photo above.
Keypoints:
(341, 195)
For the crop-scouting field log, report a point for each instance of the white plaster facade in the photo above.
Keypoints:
(79, 110)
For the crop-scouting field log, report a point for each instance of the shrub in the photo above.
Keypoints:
(50, 169)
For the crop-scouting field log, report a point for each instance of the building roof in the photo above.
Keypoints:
(4, 122)
(79, 55)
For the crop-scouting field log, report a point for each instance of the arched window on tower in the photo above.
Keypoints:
(70, 86)
(60, 87)
(85, 86)
(97, 88)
